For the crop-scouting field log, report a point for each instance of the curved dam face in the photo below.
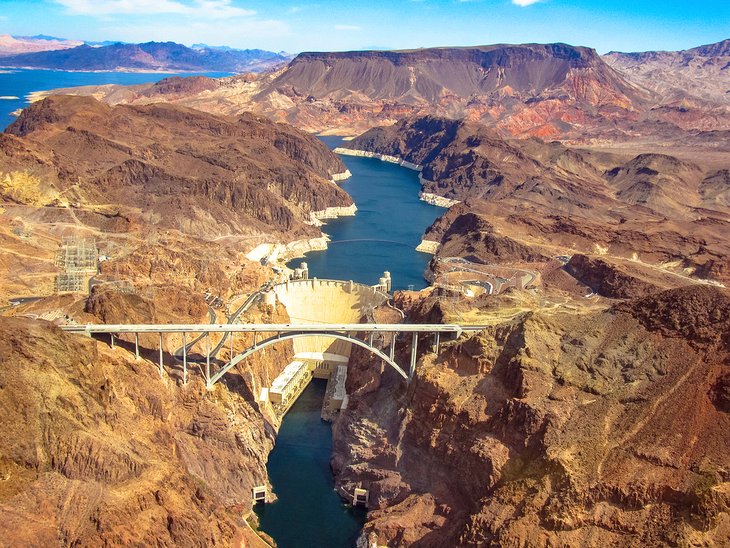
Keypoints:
(326, 301)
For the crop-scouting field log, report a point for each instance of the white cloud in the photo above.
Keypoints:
(208, 9)
(524, 3)
(347, 27)
(246, 33)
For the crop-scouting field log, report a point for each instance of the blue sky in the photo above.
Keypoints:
(325, 25)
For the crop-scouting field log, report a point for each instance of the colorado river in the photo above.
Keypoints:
(309, 511)
(382, 236)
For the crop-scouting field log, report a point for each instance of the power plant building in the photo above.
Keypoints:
(289, 384)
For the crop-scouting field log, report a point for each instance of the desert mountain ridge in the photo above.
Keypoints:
(524, 200)
(149, 56)
(551, 91)
(681, 78)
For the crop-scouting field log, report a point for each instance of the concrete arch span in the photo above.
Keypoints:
(279, 337)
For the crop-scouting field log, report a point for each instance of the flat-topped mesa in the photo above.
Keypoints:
(425, 74)
(360, 89)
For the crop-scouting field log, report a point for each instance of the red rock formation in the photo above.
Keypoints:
(202, 174)
(98, 450)
(603, 428)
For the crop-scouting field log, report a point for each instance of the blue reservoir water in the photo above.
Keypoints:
(384, 233)
(309, 513)
(20, 82)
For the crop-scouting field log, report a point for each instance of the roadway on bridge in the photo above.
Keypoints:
(271, 328)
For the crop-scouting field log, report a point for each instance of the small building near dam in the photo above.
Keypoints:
(287, 387)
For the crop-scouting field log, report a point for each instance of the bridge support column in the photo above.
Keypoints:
(414, 352)
(231, 341)
(438, 339)
(370, 339)
(185, 359)
(392, 345)
(162, 371)
(112, 337)
(207, 361)
(136, 345)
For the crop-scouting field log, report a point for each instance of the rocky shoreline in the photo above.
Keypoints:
(329, 213)
(435, 199)
(382, 157)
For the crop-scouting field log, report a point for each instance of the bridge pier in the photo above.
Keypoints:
(162, 371)
(438, 338)
(136, 346)
(185, 359)
(392, 346)
(112, 343)
(207, 360)
(414, 352)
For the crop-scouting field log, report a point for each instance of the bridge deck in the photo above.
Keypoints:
(270, 328)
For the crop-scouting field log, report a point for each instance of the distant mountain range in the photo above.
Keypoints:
(701, 73)
(15, 45)
(59, 54)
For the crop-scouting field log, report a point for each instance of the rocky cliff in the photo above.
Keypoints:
(99, 450)
(603, 428)
(526, 200)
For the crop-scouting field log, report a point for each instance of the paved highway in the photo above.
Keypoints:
(270, 328)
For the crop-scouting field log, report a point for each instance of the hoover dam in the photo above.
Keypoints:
(310, 302)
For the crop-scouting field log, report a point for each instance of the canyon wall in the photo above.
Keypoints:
(100, 450)
(602, 428)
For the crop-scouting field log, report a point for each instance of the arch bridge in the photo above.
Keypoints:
(362, 335)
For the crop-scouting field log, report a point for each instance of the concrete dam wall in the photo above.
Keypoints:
(326, 301)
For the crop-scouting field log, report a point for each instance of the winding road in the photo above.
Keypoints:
(251, 299)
